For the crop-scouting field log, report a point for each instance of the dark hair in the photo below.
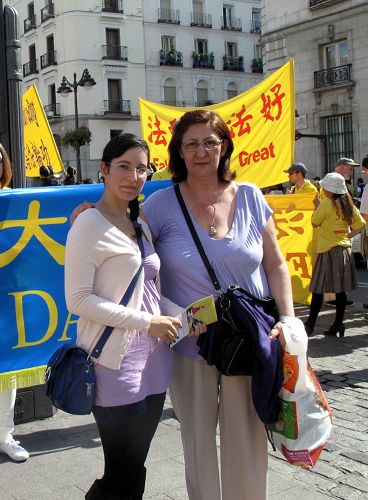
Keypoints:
(344, 207)
(365, 162)
(117, 147)
(177, 164)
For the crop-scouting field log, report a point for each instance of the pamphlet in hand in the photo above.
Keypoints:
(201, 311)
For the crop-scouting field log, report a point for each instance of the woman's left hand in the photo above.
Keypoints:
(277, 332)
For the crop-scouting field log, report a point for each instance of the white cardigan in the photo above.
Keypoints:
(100, 262)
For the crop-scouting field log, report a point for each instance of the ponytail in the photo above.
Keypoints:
(133, 215)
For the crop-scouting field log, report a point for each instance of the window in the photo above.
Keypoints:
(168, 43)
(52, 95)
(202, 93)
(165, 4)
(114, 90)
(339, 131)
(336, 54)
(257, 52)
(112, 44)
(198, 7)
(32, 54)
(231, 49)
(170, 92)
(227, 12)
(231, 90)
(256, 21)
(201, 45)
(30, 10)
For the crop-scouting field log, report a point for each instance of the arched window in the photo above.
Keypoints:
(202, 93)
(170, 97)
(231, 90)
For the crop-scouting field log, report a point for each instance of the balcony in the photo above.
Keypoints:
(332, 76)
(113, 6)
(30, 68)
(176, 104)
(48, 59)
(201, 20)
(233, 63)
(255, 26)
(257, 65)
(168, 16)
(203, 60)
(233, 24)
(30, 23)
(47, 12)
(117, 106)
(115, 52)
(206, 102)
(315, 4)
(52, 109)
(171, 58)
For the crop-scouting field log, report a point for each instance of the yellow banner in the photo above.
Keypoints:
(292, 217)
(39, 144)
(261, 122)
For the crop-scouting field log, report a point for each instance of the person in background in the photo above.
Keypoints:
(334, 270)
(359, 187)
(315, 181)
(8, 445)
(300, 184)
(161, 175)
(364, 208)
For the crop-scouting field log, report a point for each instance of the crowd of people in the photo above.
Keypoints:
(113, 241)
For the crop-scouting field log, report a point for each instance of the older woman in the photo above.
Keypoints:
(7, 398)
(235, 227)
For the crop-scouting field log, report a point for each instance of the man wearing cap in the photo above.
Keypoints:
(345, 167)
(297, 173)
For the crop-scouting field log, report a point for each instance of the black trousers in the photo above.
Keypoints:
(126, 433)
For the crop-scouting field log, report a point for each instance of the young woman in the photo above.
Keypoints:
(134, 368)
(334, 271)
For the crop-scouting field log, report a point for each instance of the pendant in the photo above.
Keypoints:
(212, 230)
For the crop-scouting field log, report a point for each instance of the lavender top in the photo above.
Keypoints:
(236, 258)
(146, 367)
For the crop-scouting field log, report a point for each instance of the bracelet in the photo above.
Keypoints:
(285, 319)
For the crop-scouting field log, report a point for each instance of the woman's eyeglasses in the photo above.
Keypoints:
(209, 145)
(125, 170)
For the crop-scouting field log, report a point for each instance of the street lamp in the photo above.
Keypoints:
(87, 82)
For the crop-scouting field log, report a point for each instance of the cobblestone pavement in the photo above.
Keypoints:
(66, 454)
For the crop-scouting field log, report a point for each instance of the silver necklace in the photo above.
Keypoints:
(211, 228)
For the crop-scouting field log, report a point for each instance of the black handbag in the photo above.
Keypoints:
(70, 378)
(231, 342)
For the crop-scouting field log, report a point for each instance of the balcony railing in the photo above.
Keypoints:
(332, 76)
(206, 102)
(168, 16)
(171, 58)
(117, 106)
(30, 23)
(48, 59)
(115, 52)
(201, 20)
(115, 6)
(30, 68)
(52, 109)
(233, 63)
(233, 24)
(176, 104)
(203, 60)
(47, 12)
(255, 26)
(322, 3)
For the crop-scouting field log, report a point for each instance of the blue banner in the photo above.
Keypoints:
(34, 321)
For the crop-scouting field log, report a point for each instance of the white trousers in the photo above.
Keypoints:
(7, 401)
(201, 398)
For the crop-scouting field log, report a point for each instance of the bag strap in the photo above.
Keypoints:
(196, 239)
(124, 301)
(206, 262)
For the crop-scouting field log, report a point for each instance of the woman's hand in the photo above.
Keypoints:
(197, 329)
(164, 328)
(277, 332)
(79, 209)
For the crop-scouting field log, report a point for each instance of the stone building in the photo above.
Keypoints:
(328, 40)
(182, 53)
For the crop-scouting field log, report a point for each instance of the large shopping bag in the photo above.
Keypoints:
(305, 419)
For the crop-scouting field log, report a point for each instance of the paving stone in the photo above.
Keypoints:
(358, 457)
(358, 483)
(346, 493)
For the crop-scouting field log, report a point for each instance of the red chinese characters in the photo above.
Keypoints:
(272, 105)
(242, 123)
(157, 135)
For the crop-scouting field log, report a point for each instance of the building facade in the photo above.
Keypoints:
(328, 40)
(180, 53)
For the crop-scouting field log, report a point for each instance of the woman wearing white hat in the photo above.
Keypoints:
(334, 271)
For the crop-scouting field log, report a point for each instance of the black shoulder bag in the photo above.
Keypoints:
(234, 341)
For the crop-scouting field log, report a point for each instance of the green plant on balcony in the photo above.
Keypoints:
(257, 65)
(212, 59)
(195, 55)
(172, 57)
(77, 137)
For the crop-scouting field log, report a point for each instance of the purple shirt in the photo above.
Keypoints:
(146, 367)
(236, 258)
